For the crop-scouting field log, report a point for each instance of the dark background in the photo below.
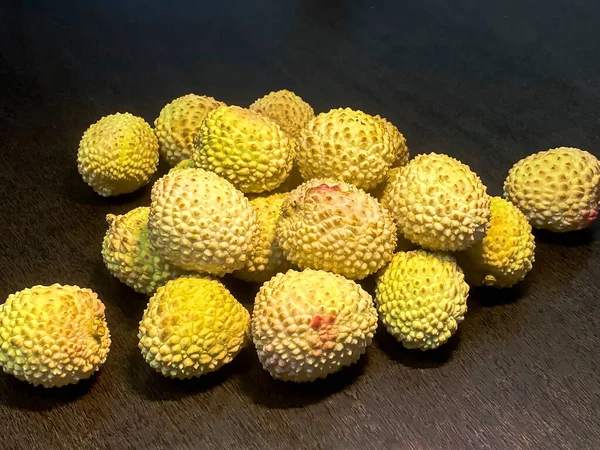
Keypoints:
(487, 82)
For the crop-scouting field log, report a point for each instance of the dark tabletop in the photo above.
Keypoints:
(487, 82)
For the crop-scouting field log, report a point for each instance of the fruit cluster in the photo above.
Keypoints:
(306, 206)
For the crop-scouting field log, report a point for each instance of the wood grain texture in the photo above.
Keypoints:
(486, 82)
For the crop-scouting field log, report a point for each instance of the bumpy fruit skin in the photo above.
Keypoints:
(192, 326)
(286, 109)
(438, 203)
(398, 143)
(334, 226)
(129, 255)
(199, 221)
(52, 336)
(307, 325)
(118, 154)
(178, 125)
(346, 145)
(506, 253)
(556, 189)
(421, 298)
(183, 164)
(266, 258)
(246, 148)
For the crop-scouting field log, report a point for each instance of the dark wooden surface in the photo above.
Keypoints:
(486, 82)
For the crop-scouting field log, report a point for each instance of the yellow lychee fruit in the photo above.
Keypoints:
(307, 325)
(118, 154)
(286, 109)
(178, 125)
(556, 189)
(421, 298)
(438, 203)
(334, 226)
(346, 145)
(199, 221)
(402, 244)
(192, 326)
(52, 336)
(267, 258)
(246, 148)
(506, 253)
(129, 255)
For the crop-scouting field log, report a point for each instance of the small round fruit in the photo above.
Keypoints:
(506, 253)
(557, 189)
(199, 221)
(286, 109)
(346, 145)
(267, 257)
(179, 123)
(52, 336)
(334, 226)
(129, 255)
(307, 325)
(421, 298)
(118, 154)
(246, 148)
(192, 326)
(438, 203)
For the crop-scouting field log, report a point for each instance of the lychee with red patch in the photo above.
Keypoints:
(307, 325)
(334, 226)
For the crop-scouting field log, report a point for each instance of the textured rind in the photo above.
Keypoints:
(421, 298)
(307, 325)
(52, 336)
(438, 203)
(267, 258)
(118, 154)
(346, 145)
(183, 164)
(506, 253)
(403, 244)
(129, 255)
(334, 226)
(286, 109)
(398, 142)
(192, 326)
(556, 189)
(198, 221)
(246, 148)
(178, 125)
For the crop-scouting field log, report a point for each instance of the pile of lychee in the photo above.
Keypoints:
(304, 205)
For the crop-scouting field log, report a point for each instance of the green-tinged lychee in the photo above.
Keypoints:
(118, 154)
(52, 336)
(192, 326)
(421, 298)
(129, 255)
